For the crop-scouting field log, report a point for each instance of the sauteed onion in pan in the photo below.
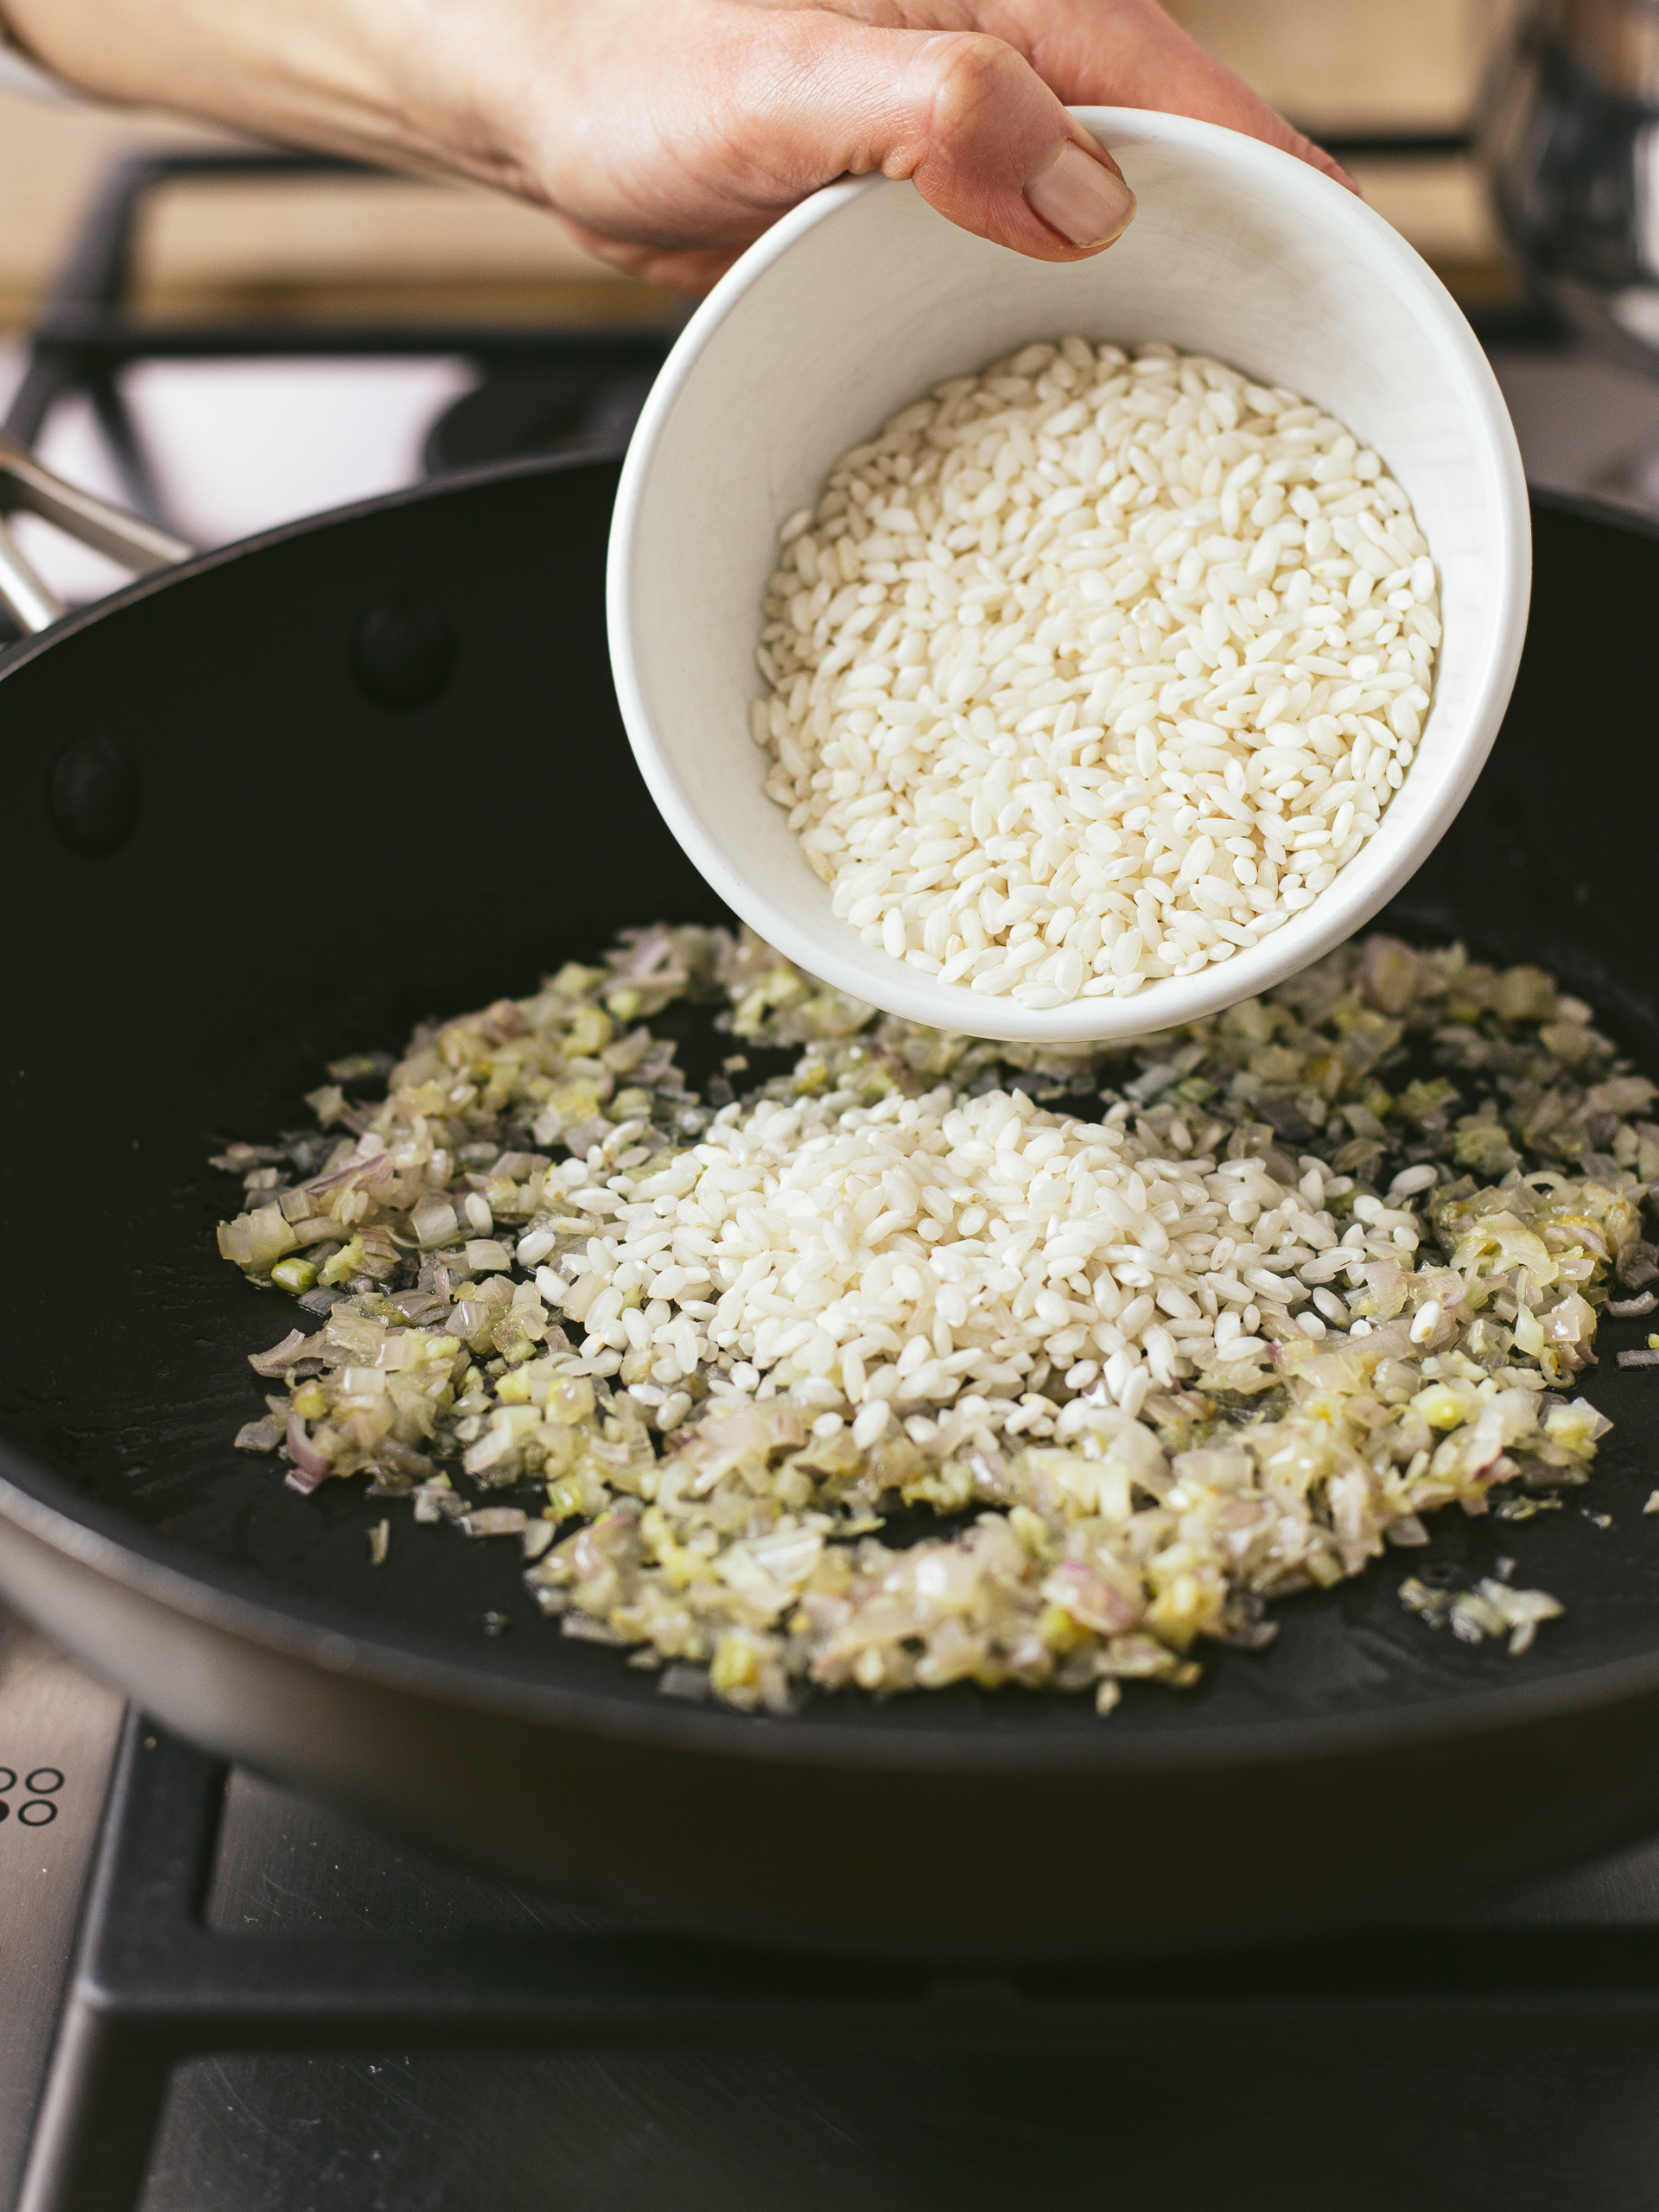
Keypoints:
(1159, 1336)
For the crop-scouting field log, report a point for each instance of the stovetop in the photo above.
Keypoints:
(1506, 2053)
(1501, 2053)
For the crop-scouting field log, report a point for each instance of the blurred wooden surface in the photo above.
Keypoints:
(306, 246)
(1355, 64)
(329, 247)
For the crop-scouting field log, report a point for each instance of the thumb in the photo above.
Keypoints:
(972, 125)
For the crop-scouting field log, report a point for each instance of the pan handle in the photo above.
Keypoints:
(25, 485)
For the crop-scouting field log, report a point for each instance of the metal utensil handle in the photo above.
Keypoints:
(25, 486)
(30, 601)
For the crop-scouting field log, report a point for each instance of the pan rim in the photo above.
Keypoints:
(405, 1657)
(19, 654)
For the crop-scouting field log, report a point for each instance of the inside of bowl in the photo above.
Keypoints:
(872, 300)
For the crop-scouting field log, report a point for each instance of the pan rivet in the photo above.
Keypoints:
(403, 653)
(95, 796)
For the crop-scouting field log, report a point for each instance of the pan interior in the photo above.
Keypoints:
(313, 870)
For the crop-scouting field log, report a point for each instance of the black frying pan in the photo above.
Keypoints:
(285, 803)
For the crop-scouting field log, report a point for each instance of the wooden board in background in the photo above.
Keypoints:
(1356, 65)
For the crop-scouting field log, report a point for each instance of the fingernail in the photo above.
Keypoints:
(1080, 197)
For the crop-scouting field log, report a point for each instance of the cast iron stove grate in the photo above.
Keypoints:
(543, 387)
(156, 1984)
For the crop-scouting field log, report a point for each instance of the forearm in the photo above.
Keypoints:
(390, 80)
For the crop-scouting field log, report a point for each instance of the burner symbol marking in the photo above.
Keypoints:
(38, 1810)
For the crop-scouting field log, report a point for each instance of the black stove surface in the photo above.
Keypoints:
(1344, 2133)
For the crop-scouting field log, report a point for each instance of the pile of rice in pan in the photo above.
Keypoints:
(1147, 1340)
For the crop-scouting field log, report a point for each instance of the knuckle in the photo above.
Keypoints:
(966, 71)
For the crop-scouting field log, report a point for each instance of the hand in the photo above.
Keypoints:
(669, 134)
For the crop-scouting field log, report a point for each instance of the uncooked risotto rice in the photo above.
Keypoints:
(1093, 668)
(1152, 1338)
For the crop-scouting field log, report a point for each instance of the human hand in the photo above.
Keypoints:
(686, 127)
(669, 134)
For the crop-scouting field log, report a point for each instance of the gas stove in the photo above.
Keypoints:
(267, 2007)
(221, 1996)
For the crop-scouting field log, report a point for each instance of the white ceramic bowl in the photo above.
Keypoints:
(860, 301)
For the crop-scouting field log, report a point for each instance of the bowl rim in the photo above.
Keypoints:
(1377, 872)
